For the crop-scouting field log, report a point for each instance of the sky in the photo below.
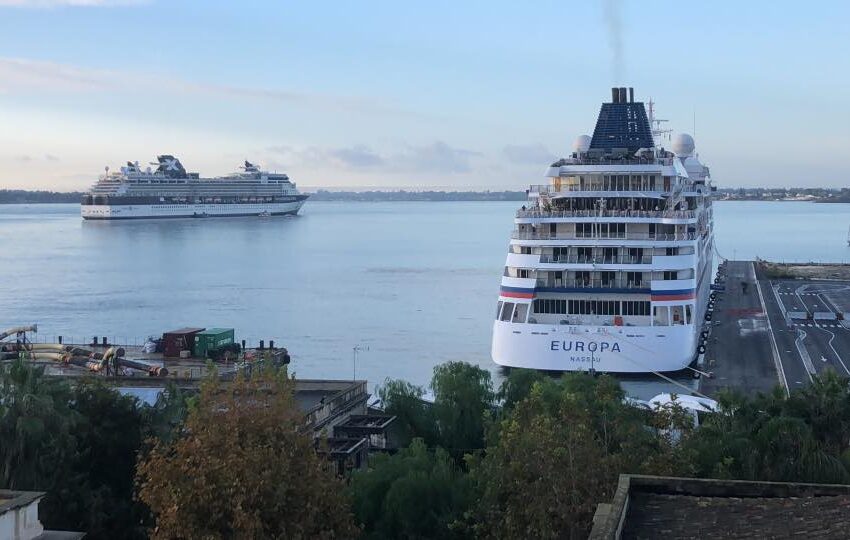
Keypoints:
(414, 95)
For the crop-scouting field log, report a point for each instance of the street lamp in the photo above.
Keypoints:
(356, 349)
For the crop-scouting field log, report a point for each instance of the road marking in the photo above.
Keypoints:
(780, 371)
(804, 354)
(832, 337)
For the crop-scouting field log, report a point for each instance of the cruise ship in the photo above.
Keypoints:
(170, 192)
(609, 265)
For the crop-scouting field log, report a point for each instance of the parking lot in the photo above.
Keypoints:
(809, 316)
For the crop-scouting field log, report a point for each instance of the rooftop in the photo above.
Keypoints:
(655, 506)
(19, 518)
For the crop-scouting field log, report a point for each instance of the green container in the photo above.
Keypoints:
(210, 340)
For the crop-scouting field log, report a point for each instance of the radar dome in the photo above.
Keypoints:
(582, 143)
(683, 145)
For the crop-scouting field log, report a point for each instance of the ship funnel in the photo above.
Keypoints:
(631, 95)
(615, 95)
(622, 94)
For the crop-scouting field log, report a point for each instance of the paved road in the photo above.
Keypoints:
(740, 349)
(825, 341)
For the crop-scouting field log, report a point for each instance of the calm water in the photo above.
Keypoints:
(416, 283)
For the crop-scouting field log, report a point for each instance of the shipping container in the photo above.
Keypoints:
(212, 339)
(178, 340)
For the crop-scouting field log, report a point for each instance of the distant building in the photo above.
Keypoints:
(336, 412)
(667, 507)
(19, 518)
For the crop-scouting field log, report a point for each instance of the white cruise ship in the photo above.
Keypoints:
(170, 192)
(609, 266)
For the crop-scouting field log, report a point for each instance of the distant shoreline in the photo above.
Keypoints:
(20, 196)
(37, 197)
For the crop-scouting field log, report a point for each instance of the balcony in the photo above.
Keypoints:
(646, 214)
(516, 235)
(592, 284)
(581, 259)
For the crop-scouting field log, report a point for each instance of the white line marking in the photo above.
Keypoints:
(780, 371)
(832, 336)
(804, 354)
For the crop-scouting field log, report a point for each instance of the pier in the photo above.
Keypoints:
(772, 326)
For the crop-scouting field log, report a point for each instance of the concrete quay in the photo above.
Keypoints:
(767, 332)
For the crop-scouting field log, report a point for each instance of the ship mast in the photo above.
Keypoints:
(656, 124)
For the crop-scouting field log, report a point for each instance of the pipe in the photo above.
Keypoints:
(18, 329)
(153, 371)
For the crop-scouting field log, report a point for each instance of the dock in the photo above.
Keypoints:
(772, 329)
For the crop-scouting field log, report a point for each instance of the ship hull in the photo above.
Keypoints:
(159, 211)
(606, 349)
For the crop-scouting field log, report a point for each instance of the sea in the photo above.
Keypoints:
(352, 289)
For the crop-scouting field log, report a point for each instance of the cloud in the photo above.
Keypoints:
(23, 75)
(26, 158)
(436, 157)
(529, 153)
(358, 157)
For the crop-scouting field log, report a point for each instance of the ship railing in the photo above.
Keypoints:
(516, 235)
(592, 283)
(588, 320)
(657, 214)
(577, 259)
(549, 189)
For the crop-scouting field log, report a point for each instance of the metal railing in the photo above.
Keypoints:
(593, 283)
(657, 214)
(577, 259)
(516, 235)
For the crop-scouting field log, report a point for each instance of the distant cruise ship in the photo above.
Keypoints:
(609, 267)
(171, 192)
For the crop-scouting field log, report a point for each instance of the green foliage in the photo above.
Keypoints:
(801, 438)
(416, 493)
(79, 445)
(456, 420)
(108, 438)
(242, 467)
(558, 454)
(414, 417)
(36, 425)
(517, 386)
(463, 401)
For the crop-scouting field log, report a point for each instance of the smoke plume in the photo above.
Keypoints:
(611, 10)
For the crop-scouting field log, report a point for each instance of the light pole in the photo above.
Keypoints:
(356, 349)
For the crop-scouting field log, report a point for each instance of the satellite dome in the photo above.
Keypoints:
(582, 143)
(683, 145)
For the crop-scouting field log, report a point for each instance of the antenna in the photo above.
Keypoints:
(695, 122)
(655, 124)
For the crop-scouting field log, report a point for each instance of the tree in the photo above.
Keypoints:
(559, 453)
(241, 468)
(79, 445)
(801, 438)
(463, 402)
(413, 414)
(36, 426)
(517, 386)
(416, 493)
(100, 499)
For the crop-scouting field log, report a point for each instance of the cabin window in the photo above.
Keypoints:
(498, 309)
(521, 313)
(507, 311)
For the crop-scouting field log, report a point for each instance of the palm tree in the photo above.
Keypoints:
(35, 426)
